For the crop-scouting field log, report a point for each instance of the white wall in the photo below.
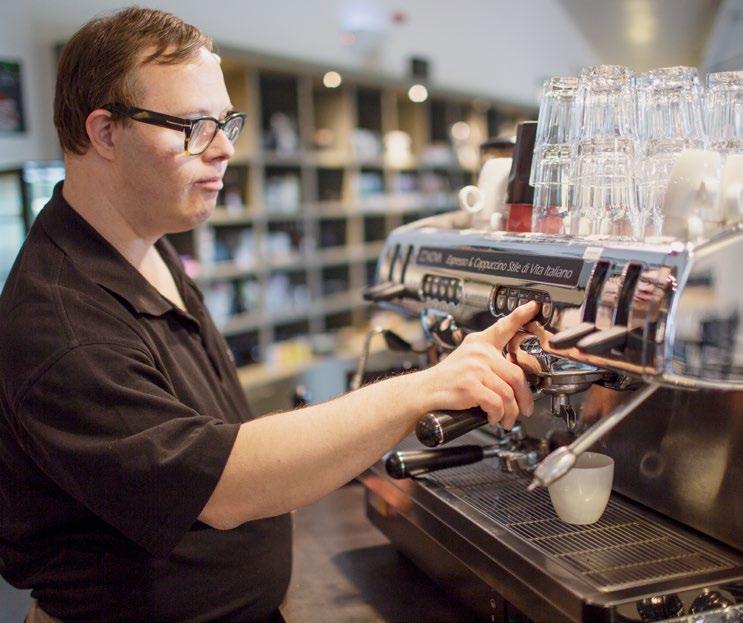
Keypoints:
(486, 46)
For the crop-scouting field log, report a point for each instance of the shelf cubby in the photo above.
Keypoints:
(279, 105)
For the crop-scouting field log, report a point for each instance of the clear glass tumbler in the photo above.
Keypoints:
(554, 126)
(551, 161)
(604, 194)
(724, 111)
(604, 135)
(605, 104)
(670, 120)
(552, 190)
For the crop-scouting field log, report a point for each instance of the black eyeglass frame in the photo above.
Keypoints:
(175, 123)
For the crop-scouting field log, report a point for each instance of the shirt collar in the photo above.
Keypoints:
(94, 256)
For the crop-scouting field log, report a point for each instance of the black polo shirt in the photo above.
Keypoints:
(117, 414)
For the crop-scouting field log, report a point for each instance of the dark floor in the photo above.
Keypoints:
(345, 571)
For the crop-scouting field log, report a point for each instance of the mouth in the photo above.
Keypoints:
(210, 183)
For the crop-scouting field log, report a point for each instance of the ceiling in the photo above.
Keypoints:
(655, 33)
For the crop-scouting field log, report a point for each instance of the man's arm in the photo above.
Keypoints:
(288, 460)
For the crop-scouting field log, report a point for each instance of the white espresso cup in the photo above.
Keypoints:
(581, 495)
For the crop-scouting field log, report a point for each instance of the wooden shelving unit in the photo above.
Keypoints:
(316, 184)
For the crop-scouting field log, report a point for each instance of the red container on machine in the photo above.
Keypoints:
(520, 195)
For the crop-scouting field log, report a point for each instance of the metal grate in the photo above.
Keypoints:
(623, 549)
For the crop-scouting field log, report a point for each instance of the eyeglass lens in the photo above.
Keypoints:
(204, 131)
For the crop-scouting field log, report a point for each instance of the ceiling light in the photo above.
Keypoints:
(418, 93)
(332, 79)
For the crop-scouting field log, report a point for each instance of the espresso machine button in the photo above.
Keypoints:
(435, 283)
(500, 300)
(511, 303)
(443, 284)
(546, 310)
(450, 289)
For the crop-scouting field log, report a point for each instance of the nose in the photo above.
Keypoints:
(220, 148)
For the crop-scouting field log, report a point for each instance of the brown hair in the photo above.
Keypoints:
(96, 66)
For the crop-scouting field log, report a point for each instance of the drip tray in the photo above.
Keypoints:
(624, 549)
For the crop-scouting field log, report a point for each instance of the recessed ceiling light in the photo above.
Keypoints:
(332, 79)
(418, 93)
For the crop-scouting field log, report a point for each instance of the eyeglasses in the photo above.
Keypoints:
(200, 132)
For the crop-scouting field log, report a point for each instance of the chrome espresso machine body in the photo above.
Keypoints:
(633, 318)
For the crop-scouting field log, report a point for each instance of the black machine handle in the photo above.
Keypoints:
(386, 291)
(411, 463)
(438, 427)
(603, 341)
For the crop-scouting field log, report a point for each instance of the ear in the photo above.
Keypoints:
(100, 129)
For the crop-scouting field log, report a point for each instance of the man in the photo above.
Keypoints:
(134, 483)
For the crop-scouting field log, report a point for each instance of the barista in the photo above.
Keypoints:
(136, 484)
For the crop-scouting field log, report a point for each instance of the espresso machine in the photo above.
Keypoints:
(636, 354)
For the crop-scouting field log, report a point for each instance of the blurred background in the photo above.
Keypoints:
(495, 48)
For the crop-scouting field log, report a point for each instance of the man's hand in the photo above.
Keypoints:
(477, 374)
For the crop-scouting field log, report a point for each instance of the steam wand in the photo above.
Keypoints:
(561, 460)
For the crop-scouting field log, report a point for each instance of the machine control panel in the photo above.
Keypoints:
(505, 299)
(444, 289)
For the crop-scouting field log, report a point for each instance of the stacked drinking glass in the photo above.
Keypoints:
(670, 114)
(724, 111)
(608, 142)
(550, 170)
(604, 133)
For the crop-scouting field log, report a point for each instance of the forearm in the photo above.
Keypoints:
(291, 459)
(287, 460)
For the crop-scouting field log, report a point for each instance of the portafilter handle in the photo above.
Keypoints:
(558, 377)
(439, 427)
(411, 463)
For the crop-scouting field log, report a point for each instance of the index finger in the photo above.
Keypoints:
(501, 332)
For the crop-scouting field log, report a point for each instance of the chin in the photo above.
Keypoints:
(202, 212)
(190, 220)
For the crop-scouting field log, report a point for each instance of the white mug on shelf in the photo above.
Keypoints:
(488, 198)
(731, 190)
(691, 210)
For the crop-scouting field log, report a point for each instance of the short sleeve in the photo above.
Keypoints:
(104, 425)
